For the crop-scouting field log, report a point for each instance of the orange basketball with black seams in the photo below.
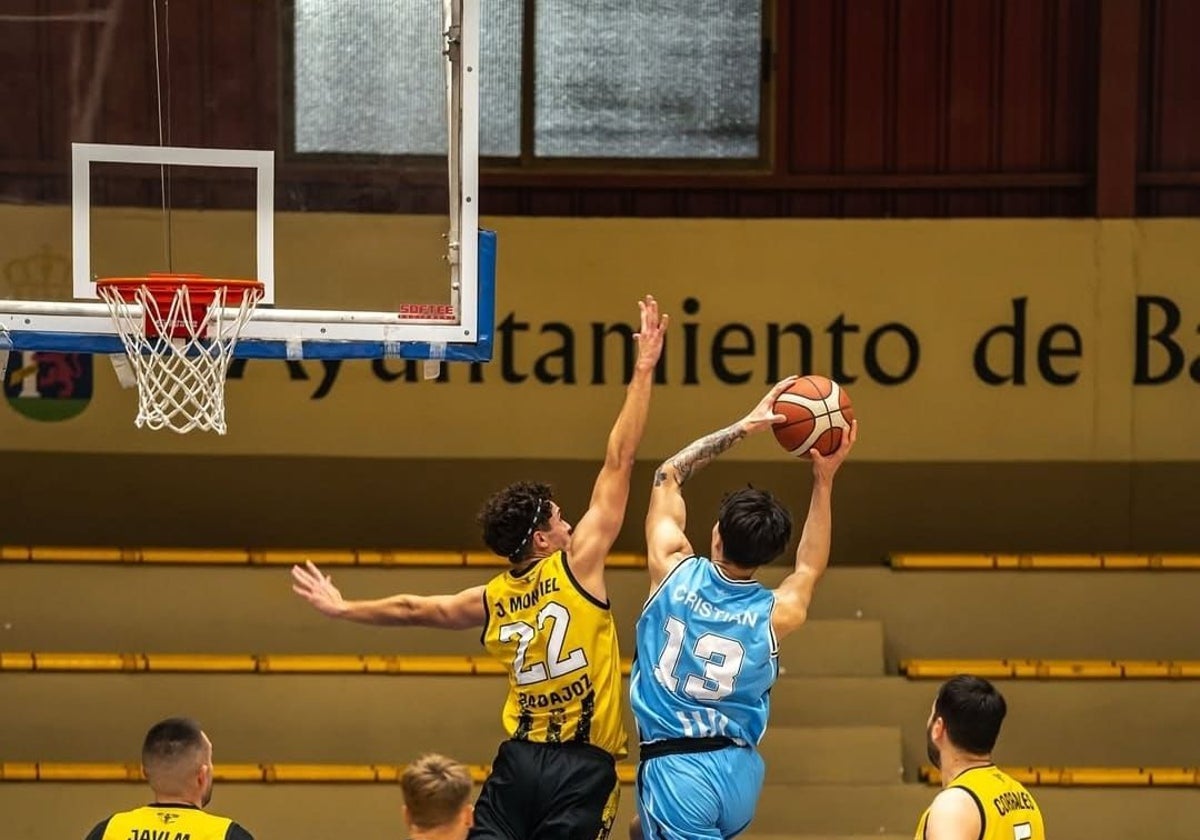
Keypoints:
(818, 413)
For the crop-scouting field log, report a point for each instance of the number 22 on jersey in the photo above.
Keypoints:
(525, 635)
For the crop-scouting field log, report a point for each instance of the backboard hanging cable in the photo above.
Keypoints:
(164, 178)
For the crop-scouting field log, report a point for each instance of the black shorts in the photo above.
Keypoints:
(547, 792)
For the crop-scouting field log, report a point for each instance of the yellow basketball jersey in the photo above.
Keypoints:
(166, 822)
(559, 645)
(1006, 808)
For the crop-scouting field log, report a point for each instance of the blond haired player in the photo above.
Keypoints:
(437, 799)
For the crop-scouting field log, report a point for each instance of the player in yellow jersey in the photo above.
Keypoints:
(177, 761)
(547, 619)
(978, 801)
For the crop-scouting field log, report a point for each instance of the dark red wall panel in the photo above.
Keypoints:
(862, 138)
(888, 108)
(815, 74)
(970, 87)
(1026, 99)
(1169, 148)
(1173, 88)
(1072, 38)
(938, 87)
(917, 74)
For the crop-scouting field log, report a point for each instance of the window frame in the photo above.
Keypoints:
(527, 162)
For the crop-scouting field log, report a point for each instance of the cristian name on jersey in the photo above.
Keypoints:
(706, 657)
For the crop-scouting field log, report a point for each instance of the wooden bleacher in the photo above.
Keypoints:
(1044, 562)
(303, 707)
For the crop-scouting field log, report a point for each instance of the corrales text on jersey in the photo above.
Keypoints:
(1012, 800)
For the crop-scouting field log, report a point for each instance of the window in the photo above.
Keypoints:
(651, 80)
(368, 77)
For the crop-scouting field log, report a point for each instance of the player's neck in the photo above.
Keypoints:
(955, 765)
(161, 798)
(450, 832)
(732, 570)
(529, 562)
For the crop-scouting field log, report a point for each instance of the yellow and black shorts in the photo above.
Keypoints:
(537, 791)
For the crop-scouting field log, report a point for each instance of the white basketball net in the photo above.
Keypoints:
(180, 379)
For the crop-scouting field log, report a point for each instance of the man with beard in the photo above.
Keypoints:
(177, 758)
(978, 801)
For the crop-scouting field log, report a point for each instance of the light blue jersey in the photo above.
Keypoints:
(706, 657)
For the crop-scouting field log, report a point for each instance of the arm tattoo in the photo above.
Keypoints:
(697, 454)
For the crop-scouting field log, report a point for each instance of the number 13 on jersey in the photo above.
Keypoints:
(722, 660)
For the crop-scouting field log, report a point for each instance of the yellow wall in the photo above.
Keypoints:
(946, 282)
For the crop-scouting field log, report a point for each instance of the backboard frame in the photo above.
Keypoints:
(463, 334)
(83, 155)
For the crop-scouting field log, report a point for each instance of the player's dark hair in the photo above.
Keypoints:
(972, 710)
(169, 740)
(754, 527)
(511, 516)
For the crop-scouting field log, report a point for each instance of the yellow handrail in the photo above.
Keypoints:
(1053, 669)
(918, 561)
(268, 557)
(54, 771)
(1090, 776)
(253, 663)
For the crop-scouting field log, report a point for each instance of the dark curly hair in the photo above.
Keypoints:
(754, 527)
(510, 517)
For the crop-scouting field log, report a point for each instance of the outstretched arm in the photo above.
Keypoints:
(598, 529)
(666, 543)
(794, 594)
(449, 612)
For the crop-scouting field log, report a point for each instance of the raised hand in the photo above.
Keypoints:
(824, 466)
(649, 337)
(763, 415)
(310, 584)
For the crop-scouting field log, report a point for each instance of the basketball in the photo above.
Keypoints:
(818, 413)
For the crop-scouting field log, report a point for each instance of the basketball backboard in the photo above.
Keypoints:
(328, 150)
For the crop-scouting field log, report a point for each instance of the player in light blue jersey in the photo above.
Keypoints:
(707, 639)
